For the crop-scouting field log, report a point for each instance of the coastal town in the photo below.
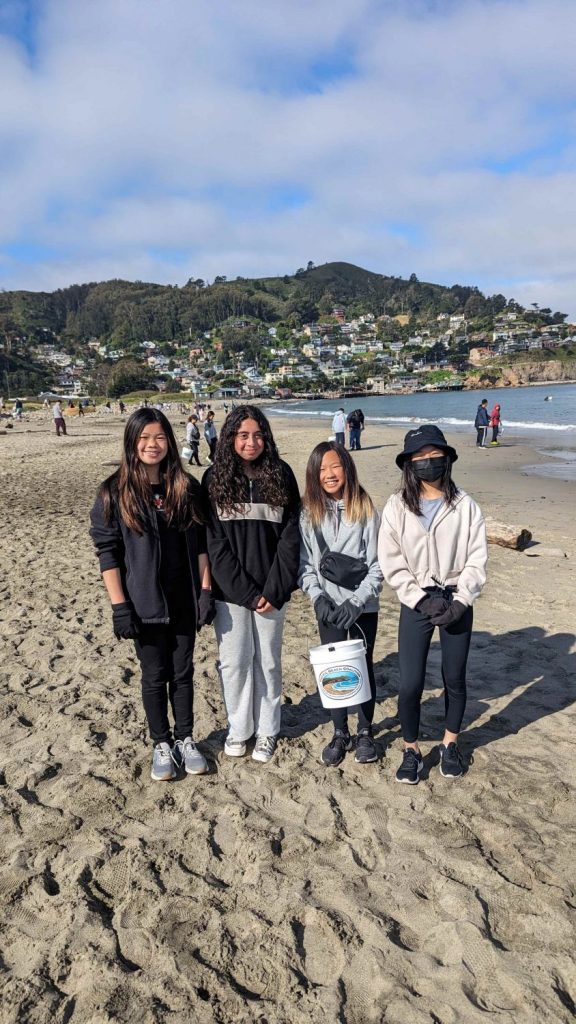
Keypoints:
(344, 349)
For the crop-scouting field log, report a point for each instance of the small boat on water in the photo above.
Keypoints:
(548, 398)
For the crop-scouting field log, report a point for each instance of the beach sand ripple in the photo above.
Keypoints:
(285, 893)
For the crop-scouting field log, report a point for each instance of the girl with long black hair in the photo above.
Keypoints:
(253, 544)
(432, 550)
(148, 526)
(338, 513)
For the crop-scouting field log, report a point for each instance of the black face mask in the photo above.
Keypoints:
(430, 469)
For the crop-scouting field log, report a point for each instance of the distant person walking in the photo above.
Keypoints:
(193, 439)
(339, 427)
(481, 423)
(18, 409)
(495, 423)
(59, 421)
(210, 436)
(355, 421)
(80, 408)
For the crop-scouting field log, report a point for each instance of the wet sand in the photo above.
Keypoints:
(281, 893)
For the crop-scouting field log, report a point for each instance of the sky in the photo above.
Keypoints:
(160, 140)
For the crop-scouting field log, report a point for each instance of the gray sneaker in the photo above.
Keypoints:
(264, 748)
(187, 756)
(163, 769)
(234, 748)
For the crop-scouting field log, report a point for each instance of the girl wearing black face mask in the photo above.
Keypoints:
(432, 551)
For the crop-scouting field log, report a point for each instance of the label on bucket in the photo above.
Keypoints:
(340, 682)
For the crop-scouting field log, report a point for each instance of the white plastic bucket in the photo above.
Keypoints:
(186, 452)
(341, 673)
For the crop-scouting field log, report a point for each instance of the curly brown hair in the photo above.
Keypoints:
(227, 483)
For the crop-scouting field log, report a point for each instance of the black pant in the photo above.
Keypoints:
(495, 430)
(212, 446)
(368, 623)
(414, 635)
(481, 436)
(166, 656)
(194, 457)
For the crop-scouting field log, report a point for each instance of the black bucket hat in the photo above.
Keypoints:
(422, 436)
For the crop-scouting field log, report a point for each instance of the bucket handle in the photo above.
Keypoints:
(363, 637)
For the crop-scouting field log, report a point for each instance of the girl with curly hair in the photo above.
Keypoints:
(148, 526)
(253, 546)
(338, 516)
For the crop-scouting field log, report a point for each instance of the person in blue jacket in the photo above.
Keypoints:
(481, 423)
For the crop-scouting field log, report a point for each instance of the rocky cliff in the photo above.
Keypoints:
(552, 371)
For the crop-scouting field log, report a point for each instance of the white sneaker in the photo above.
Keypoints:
(163, 769)
(264, 748)
(234, 748)
(187, 756)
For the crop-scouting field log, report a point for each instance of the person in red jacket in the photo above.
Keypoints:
(495, 423)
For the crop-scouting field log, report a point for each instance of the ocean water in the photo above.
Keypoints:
(524, 411)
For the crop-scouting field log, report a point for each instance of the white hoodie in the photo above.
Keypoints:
(452, 553)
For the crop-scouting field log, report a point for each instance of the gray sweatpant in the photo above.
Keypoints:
(250, 649)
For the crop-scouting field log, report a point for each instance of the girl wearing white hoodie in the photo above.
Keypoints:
(432, 550)
(337, 513)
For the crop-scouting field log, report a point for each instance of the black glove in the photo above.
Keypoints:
(345, 615)
(432, 606)
(206, 608)
(324, 608)
(124, 621)
(454, 612)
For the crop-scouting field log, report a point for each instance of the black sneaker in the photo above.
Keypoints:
(335, 752)
(365, 747)
(451, 761)
(412, 765)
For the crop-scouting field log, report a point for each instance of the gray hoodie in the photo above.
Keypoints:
(349, 539)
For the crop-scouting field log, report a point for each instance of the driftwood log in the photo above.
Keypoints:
(507, 536)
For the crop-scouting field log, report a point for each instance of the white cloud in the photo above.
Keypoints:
(136, 131)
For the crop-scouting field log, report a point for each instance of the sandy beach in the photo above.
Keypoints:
(287, 893)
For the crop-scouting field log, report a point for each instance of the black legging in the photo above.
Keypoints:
(368, 623)
(414, 635)
(166, 654)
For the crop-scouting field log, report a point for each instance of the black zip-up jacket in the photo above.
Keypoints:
(138, 556)
(482, 417)
(255, 552)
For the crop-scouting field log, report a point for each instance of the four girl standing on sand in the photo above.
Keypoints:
(174, 557)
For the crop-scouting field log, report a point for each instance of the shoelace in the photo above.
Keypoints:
(266, 744)
(364, 737)
(409, 756)
(339, 739)
(453, 753)
(164, 756)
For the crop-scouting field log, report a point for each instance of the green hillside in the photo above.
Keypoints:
(126, 313)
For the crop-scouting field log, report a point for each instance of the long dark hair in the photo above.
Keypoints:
(410, 487)
(357, 502)
(227, 480)
(130, 488)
